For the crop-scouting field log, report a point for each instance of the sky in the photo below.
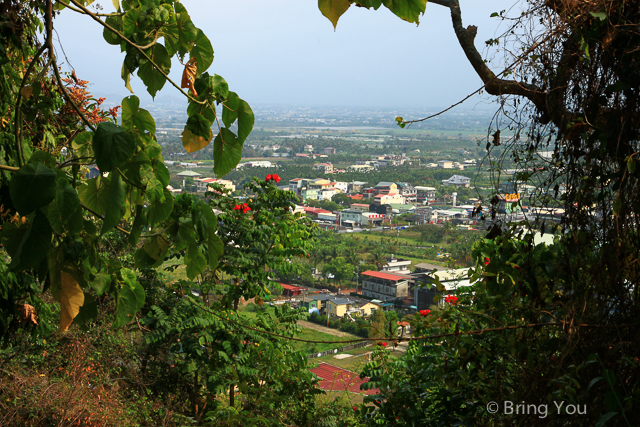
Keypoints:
(284, 52)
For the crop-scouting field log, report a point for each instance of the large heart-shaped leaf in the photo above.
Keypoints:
(32, 186)
(333, 9)
(227, 152)
(112, 145)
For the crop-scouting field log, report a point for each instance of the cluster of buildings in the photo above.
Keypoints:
(394, 287)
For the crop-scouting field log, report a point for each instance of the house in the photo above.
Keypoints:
(356, 186)
(384, 286)
(457, 181)
(423, 215)
(407, 191)
(290, 290)
(202, 184)
(329, 150)
(386, 199)
(259, 164)
(325, 167)
(360, 168)
(385, 187)
(340, 307)
(327, 193)
(451, 279)
(424, 194)
(351, 217)
(315, 301)
(424, 267)
(360, 206)
(308, 148)
(445, 164)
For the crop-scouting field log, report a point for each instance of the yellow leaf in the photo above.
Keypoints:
(333, 9)
(193, 143)
(26, 92)
(71, 299)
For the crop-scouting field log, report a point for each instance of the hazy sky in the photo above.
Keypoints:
(286, 52)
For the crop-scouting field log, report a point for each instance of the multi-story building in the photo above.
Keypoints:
(329, 150)
(445, 164)
(384, 286)
(424, 194)
(356, 186)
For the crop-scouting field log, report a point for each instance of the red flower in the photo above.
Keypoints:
(245, 208)
(237, 207)
(384, 344)
(276, 178)
(268, 178)
(355, 408)
(451, 299)
(424, 312)
(487, 261)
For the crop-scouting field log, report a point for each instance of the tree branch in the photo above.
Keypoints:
(52, 56)
(132, 44)
(492, 84)
(18, 114)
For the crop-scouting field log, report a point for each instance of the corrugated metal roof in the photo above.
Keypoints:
(387, 276)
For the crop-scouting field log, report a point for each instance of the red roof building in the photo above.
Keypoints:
(384, 286)
(290, 290)
(333, 378)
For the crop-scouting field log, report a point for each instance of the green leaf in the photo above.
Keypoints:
(609, 377)
(88, 311)
(116, 203)
(68, 206)
(102, 283)
(153, 79)
(27, 245)
(220, 88)
(195, 261)
(612, 400)
(44, 157)
(606, 417)
(126, 306)
(631, 165)
(130, 279)
(246, 119)
(32, 186)
(215, 250)
(94, 194)
(133, 116)
(203, 52)
(159, 210)
(230, 109)
(375, 4)
(156, 247)
(408, 10)
(112, 145)
(199, 126)
(162, 173)
(333, 9)
(130, 22)
(593, 382)
(600, 15)
(110, 37)
(186, 31)
(226, 152)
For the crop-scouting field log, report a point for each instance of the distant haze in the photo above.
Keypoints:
(284, 52)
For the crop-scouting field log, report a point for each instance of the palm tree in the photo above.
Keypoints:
(378, 258)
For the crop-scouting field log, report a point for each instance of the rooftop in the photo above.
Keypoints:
(386, 276)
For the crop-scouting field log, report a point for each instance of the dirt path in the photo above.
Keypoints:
(324, 329)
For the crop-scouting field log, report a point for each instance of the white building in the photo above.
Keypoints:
(202, 184)
(457, 181)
